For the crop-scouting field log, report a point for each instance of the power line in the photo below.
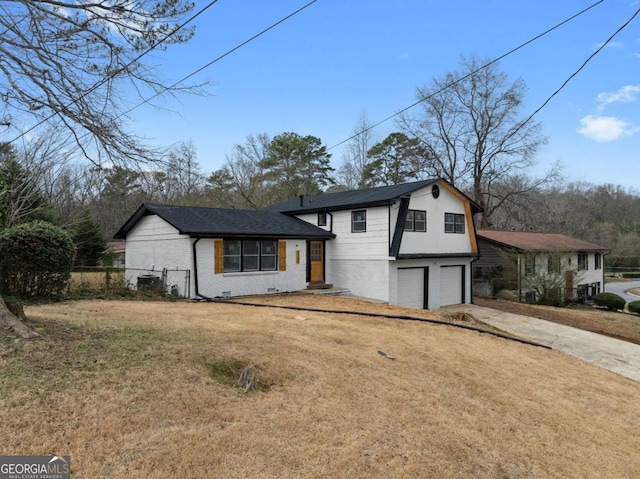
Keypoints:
(459, 80)
(572, 76)
(121, 69)
(217, 59)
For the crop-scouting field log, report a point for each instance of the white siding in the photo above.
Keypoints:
(153, 245)
(364, 277)
(435, 240)
(359, 261)
(256, 282)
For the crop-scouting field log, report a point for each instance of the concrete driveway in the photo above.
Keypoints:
(622, 288)
(620, 357)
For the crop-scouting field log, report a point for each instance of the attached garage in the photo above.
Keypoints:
(451, 285)
(412, 287)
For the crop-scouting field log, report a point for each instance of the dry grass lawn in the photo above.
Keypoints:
(137, 390)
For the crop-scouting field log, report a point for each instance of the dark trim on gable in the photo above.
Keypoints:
(400, 221)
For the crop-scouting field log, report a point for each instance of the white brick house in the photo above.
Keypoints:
(410, 244)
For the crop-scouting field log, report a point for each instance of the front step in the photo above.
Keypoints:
(319, 285)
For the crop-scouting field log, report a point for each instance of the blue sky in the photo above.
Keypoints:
(318, 71)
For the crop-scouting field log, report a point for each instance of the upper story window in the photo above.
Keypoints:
(598, 260)
(453, 223)
(250, 255)
(359, 221)
(553, 263)
(416, 221)
(583, 261)
(322, 219)
(529, 265)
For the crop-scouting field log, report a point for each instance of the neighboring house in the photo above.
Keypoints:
(410, 244)
(114, 255)
(539, 266)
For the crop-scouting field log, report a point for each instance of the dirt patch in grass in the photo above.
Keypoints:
(610, 323)
(126, 389)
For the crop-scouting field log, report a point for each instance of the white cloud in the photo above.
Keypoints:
(404, 56)
(626, 94)
(609, 45)
(605, 128)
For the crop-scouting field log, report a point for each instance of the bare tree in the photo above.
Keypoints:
(67, 62)
(354, 173)
(241, 183)
(470, 128)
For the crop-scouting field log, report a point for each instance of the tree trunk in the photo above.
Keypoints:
(8, 320)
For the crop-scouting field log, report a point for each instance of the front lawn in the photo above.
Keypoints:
(140, 390)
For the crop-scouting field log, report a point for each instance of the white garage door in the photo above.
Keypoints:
(411, 288)
(450, 285)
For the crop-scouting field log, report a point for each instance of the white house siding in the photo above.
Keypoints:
(153, 245)
(590, 277)
(368, 278)
(359, 261)
(246, 283)
(435, 266)
(435, 240)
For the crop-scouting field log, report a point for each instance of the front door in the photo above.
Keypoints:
(316, 258)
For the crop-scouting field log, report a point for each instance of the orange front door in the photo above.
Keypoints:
(316, 258)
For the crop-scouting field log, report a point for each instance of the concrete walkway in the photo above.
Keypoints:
(618, 356)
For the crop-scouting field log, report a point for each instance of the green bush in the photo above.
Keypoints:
(609, 301)
(35, 259)
(634, 307)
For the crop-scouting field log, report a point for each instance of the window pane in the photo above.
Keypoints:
(358, 221)
(268, 255)
(408, 224)
(231, 247)
(268, 263)
(268, 247)
(231, 264)
(231, 256)
(420, 221)
(449, 227)
(529, 265)
(251, 247)
(250, 263)
(250, 255)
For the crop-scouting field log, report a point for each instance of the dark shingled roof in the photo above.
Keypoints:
(382, 195)
(200, 221)
(526, 241)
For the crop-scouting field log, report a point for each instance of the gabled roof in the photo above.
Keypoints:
(210, 222)
(379, 196)
(537, 242)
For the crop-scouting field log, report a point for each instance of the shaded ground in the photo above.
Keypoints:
(616, 325)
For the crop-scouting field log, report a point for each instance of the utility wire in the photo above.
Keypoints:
(459, 80)
(217, 59)
(572, 76)
(123, 68)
